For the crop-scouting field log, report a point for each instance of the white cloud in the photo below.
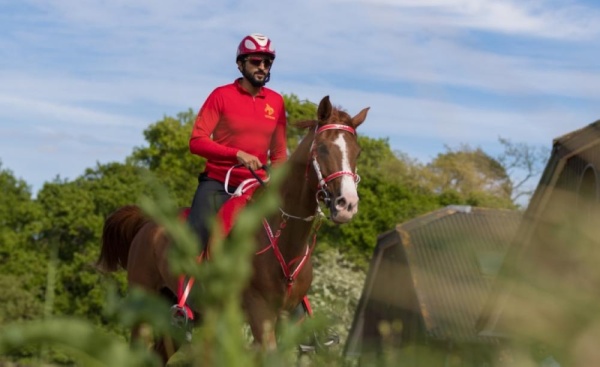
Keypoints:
(446, 63)
(415, 120)
(43, 112)
(84, 78)
(542, 18)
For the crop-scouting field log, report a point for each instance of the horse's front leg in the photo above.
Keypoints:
(262, 319)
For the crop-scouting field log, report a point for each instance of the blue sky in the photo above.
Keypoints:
(81, 79)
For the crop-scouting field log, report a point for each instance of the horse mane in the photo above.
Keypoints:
(306, 124)
(338, 114)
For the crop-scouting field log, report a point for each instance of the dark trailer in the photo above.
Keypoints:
(427, 283)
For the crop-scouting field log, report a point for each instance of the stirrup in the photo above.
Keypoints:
(332, 338)
(180, 319)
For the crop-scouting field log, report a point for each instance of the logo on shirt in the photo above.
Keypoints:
(269, 112)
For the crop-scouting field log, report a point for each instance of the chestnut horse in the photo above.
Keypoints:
(321, 169)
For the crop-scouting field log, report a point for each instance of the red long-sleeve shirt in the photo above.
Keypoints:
(230, 120)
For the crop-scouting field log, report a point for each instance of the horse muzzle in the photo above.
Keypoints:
(343, 208)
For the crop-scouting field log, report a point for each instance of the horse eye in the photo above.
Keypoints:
(322, 149)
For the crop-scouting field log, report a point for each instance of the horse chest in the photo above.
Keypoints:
(279, 288)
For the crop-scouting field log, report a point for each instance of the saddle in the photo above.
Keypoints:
(227, 215)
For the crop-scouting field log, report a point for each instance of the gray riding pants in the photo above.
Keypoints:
(209, 197)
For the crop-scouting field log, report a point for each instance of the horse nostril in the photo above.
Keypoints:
(340, 202)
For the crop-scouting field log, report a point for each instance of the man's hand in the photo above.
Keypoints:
(248, 160)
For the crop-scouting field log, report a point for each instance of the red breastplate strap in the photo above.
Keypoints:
(289, 273)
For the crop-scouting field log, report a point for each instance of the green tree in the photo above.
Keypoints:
(71, 227)
(22, 263)
(75, 213)
(16, 300)
(383, 204)
(168, 157)
(18, 211)
(70, 235)
(471, 176)
(70, 218)
(388, 195)
(20, 273)
(297, 110)
(113, 185)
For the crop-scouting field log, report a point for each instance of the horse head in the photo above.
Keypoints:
(335, 150)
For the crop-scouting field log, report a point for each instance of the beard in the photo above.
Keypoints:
(254, 81)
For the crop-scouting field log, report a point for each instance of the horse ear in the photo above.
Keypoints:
(324, 110)
(360, 117)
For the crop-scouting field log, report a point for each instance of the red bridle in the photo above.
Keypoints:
(322, 181)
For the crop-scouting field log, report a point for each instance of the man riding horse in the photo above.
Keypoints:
(240, 127)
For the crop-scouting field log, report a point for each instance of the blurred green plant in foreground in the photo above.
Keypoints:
(218, 341)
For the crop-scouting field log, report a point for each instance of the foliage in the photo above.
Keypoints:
(336, 289)
(65, 220)
(167, 155)
(113, 185)
(472, 175)
(387, 197)
(297, 110)
(18, 212)
(382, 205)
(87, 343)
(19, 303)
(20, 271)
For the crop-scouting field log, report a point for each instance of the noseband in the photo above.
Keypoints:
(322, 182)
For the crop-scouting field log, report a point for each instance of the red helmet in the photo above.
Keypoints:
(255, 43)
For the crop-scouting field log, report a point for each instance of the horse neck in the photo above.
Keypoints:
(298, 194)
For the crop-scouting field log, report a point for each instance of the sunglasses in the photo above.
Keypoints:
(256, 61)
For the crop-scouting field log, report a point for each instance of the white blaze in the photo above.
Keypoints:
(348, 186)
